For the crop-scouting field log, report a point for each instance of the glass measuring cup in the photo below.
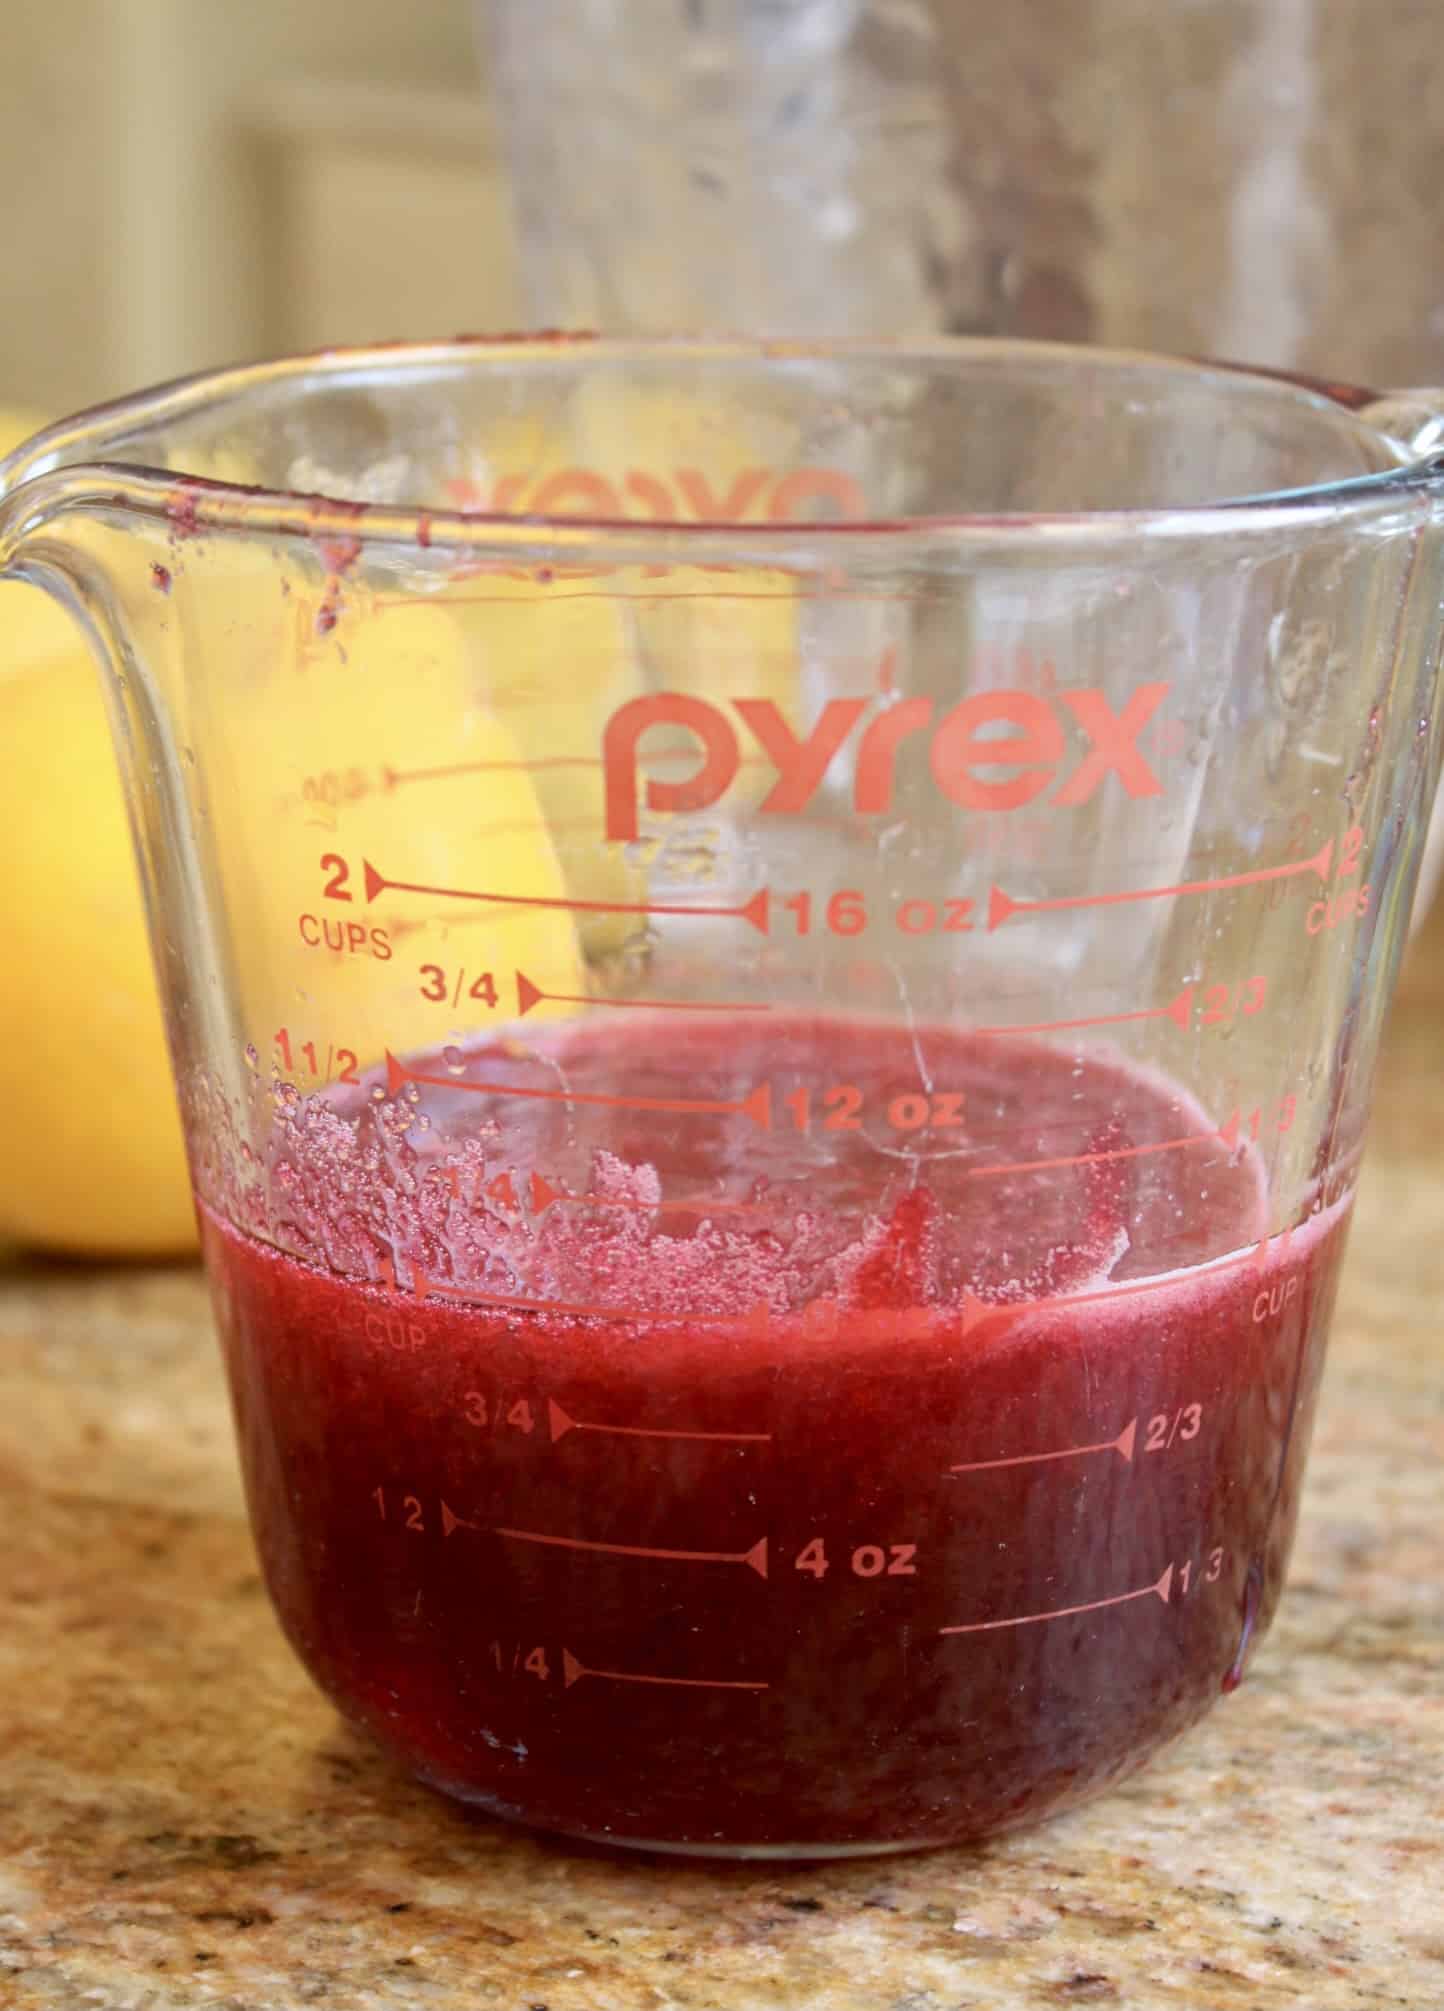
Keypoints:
(774, 1073)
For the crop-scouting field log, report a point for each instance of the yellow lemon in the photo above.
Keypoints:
(387, 878)
(324, 752)
(552, 659)
(715, 634)
(92, 1159)
(558, 651)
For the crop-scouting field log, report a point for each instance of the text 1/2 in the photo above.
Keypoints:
(340, 1059)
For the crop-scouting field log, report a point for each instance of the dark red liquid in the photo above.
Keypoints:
(755, 1544)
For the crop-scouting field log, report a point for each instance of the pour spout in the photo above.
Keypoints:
(43, 514)
(1412, 421)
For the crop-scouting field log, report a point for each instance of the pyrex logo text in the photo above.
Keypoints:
(675, 495)
(967, 753)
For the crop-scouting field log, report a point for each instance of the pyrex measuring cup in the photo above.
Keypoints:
(774, 1073)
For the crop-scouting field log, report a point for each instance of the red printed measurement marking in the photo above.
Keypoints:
(755, 1324)
(423, 1286)
(1218, 1005)
(1179, 1010)
(1001, 906)
(1161, 1588)
(573, 1672)
(544, 1193)
(1123, 1445)
(435, 986)
(1094, 1159)
(1187, 1422)
(757, 1105)
(529, 995)
(754, 910)
(1280, 1120)
(451, 1521)
(343, 1058)
(561, 1423)
(755, 1559)
(393, 778)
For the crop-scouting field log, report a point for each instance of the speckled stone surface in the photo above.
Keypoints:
(184, 1824)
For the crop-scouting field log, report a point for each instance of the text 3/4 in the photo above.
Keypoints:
(1219, 1005)
(485, 1411)
(444, 987)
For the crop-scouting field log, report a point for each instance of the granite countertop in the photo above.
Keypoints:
(184, 1823)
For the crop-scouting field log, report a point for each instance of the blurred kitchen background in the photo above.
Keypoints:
(184, 182)
(188, 182)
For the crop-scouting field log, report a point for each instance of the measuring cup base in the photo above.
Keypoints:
(784, 1853)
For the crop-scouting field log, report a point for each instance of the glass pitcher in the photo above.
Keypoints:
(774, 957)
(1240, 178)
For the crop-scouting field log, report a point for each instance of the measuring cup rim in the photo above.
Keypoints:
(195, 503)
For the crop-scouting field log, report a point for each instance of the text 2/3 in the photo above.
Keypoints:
(1169, 1427)
(342, 1060)
(840, 1108)
(1220, 1005)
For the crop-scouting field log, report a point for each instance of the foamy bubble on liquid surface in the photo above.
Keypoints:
(1044, 1194)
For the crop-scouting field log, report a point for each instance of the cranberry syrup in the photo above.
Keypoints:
(886, 1455)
